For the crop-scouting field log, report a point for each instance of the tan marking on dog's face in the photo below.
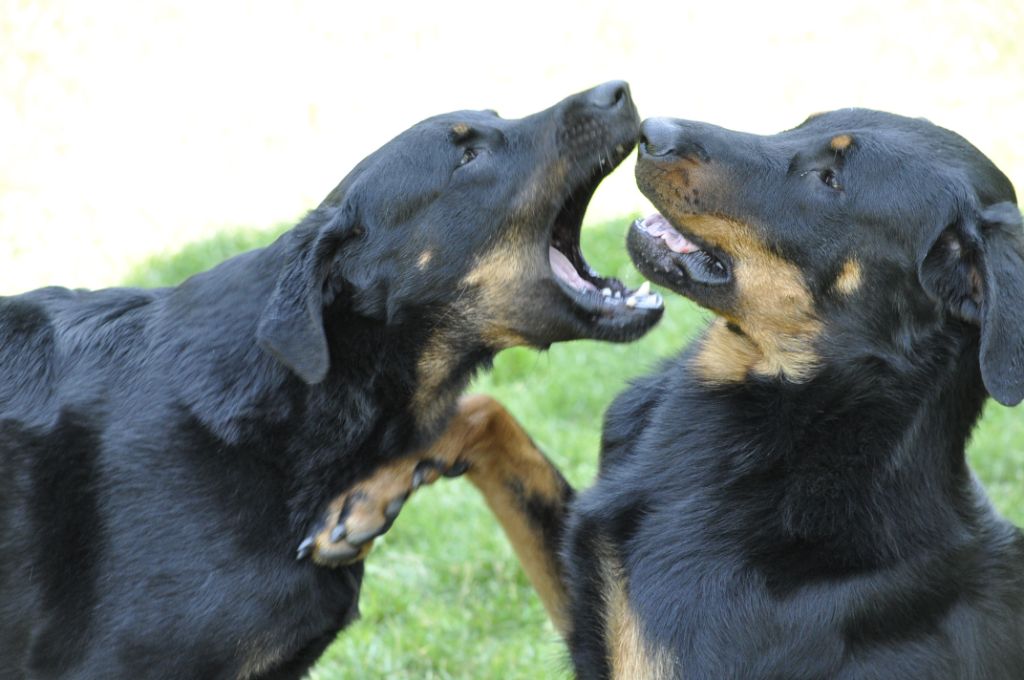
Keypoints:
(498, 267)
(773, 307)
(498, 286)
(771, 303)
(495, 286)
(631, 655)
(543, 184)
(849, 279)
(841, 142)
(494, 290)
(460, 129)
(424, 259)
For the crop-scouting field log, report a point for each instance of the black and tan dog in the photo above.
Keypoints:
(163, 452)
(789, 498)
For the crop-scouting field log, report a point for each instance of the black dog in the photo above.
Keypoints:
(789, 498)
(162, 452)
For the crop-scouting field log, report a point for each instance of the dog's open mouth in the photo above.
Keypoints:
(667, 254)
(604, 297)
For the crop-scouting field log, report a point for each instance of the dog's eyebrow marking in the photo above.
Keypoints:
(841, 142)
(461, 130)
(424, 259)
(849, 278)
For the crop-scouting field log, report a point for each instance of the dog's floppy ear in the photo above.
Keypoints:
(976, 268)
(291, 326)
(1002, 329)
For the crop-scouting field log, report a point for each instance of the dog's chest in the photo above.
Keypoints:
(297, 619)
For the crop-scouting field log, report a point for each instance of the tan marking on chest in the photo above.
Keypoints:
(259, 659)
(630, 654)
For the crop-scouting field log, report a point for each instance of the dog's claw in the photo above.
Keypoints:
(427, 471)
(457, 470)
(337, 555)
(420, 473)
(338, 533)
(368, 510)
(394, 507)
(305, 548)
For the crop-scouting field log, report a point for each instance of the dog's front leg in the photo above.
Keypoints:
(524, 490)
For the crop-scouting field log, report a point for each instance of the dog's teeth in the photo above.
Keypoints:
(648, 301)
(618, 295)
(643, 298)
(606, 292)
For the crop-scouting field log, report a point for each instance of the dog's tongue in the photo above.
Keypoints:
(657, 225)
(564, 270)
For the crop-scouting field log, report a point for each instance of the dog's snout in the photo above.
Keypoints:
(609, 95)
(660, 137)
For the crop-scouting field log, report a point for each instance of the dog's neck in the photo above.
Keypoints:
(378, 385)
(320, 437)
(830, 462)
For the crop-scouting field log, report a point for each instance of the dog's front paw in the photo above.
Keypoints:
(367, 510)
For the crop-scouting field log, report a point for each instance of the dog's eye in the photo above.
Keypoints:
(830, 179)
(468, 155)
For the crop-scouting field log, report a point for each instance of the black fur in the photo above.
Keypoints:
(163, 452)
(829, 527)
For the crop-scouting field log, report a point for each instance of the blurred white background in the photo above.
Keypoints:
(131, 128)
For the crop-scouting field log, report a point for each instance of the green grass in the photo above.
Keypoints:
(444, 596)
(169, 270)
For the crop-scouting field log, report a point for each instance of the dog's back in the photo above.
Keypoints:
(49, 335)
(60, 353)
(163, 453)
(122, 419)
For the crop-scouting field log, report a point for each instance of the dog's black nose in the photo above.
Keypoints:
(658, 137)
(609, 95)
(661, 137)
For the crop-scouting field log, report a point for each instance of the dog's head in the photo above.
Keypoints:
(856, 233)
(469, 223)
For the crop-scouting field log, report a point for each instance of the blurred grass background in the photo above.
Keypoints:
(136, 139)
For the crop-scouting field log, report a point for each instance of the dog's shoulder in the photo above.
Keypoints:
(51, 337)
(631, 411)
